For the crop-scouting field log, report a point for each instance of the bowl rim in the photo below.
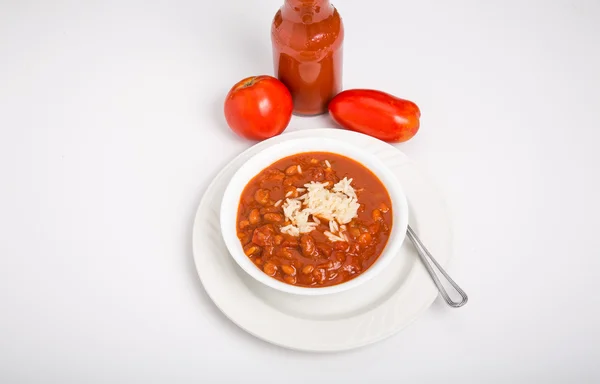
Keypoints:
(266, 157)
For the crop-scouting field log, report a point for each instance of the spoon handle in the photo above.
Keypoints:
(427, 259)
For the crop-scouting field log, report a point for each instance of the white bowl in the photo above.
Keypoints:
(260, 161)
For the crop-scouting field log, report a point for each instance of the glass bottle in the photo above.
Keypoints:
(307, 37)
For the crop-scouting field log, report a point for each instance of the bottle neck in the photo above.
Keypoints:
(307, 11)
(307, 3)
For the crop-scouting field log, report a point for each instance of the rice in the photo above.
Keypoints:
(290, 207)
(344, 186)
(327, 163)
(277, 203)
(290, 230)
(333, 238)
(333, 226)
(338, 205)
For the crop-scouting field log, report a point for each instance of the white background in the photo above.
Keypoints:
(111, 127)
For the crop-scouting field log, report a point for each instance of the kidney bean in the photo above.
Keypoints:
(263, 235)
(324, 249)
(244, 224)
(319, 275)
(307, 243)
(270, 269)
(261, 196)
(376, 215)
(268, 251)
(365, 239)
(244, 238)
(274, 175)
(273, 217)
(289, 270)
(291, 170)
(251, 250)
(254, 216)
(285, 253)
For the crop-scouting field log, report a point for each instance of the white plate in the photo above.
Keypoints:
(341, 321)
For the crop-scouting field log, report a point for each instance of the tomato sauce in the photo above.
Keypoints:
(307, 37)
(312, 259)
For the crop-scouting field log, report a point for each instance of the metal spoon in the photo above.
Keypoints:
(425, 258)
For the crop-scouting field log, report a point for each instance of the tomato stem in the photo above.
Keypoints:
(249, 82)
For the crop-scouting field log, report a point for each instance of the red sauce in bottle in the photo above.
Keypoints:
(307, 37)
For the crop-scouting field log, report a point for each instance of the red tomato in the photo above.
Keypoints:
(258, 107)
(376, 114)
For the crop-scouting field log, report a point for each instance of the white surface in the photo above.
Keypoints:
(344, 320)
(111, 127)
(322, 140)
